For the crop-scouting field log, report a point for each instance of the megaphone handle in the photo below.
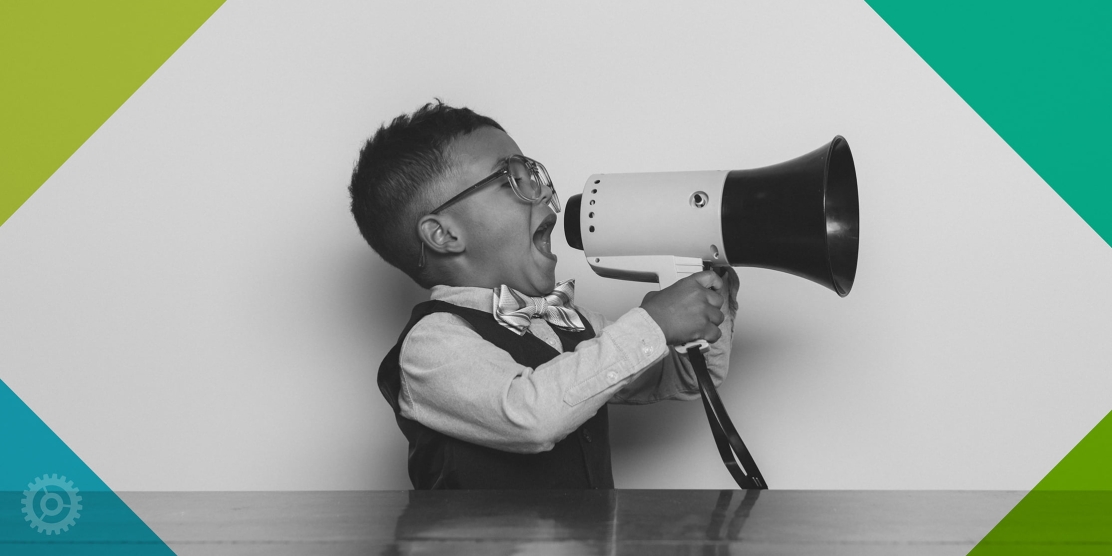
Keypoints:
(729, 442)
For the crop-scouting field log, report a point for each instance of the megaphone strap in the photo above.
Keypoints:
(729, 442)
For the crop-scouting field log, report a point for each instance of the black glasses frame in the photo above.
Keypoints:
(504, 171)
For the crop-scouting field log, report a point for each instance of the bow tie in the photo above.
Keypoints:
(513, 309)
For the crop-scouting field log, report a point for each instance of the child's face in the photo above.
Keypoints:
(507, 240)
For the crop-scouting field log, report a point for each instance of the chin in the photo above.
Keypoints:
(548, 286)
(549, 280)
(544, 276)
(541, 286)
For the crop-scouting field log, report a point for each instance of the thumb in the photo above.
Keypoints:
(708, 279)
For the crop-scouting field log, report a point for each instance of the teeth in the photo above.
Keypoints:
(542, 239)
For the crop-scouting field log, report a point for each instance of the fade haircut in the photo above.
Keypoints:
(391, 185)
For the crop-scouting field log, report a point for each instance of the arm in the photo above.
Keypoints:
(672, 378)
(457, 383)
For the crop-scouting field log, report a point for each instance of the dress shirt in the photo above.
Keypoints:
(455, 382)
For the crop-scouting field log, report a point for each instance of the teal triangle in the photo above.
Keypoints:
(1039, 73)
(51, 502)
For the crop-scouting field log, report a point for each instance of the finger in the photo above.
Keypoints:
(713, 334)
(734, 286)
(714, 298)
(716, 316)
(708, 279)
(718, 284)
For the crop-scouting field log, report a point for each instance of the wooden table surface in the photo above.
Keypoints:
(641, 522)
(635, 522)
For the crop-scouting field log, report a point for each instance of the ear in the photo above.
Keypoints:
(440, 234)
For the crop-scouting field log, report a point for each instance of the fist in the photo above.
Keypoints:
(690, 309)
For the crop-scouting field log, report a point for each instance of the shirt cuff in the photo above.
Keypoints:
(633, 343)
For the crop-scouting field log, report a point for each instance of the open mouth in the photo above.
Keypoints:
(542, 237)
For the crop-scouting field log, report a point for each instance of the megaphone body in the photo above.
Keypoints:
(799, 217)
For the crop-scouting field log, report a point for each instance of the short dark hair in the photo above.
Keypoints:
(390, 183)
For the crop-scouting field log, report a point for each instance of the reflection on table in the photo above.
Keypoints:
(641, 522)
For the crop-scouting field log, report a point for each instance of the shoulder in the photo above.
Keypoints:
(441, 338)
(437, 325)
(598, 320)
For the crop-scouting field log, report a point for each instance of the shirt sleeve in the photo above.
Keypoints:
(455, 382)
(671, 376)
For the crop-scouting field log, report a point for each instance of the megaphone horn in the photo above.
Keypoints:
(799, 217)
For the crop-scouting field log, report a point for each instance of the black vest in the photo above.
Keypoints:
(437, 461)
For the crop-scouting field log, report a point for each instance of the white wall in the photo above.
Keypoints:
(188, 304)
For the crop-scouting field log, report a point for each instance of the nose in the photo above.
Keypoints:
(549, 197)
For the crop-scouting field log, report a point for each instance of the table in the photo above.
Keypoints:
(641, 522)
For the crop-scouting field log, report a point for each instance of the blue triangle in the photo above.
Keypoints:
(51, 502)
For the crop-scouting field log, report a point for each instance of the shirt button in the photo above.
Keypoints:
(553, 342)
(586, 436)
(611, 377)
(647, 350)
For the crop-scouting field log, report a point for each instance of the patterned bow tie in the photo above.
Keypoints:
(513, 309)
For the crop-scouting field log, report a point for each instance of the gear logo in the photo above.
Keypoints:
(51, 504)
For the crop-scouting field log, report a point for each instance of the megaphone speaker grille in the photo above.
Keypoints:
(842, 217)
(571, 222)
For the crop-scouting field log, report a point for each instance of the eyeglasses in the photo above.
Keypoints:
(528, 178)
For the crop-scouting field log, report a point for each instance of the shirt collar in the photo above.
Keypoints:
(470, 297)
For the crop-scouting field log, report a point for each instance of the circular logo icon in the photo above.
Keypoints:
(51, 504)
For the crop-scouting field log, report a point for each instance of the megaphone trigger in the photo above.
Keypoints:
(665, 270)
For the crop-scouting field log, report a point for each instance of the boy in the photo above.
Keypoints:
(491, 387)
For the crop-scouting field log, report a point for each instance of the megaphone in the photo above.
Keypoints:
(799, 217)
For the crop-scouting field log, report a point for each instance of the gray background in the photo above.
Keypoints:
(188, 304)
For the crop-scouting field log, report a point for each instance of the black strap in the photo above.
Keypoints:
(729, 442)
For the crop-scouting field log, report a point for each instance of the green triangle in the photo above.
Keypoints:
(1088, 466)
(1069, 511)
(1040, 74)
(67, 66)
